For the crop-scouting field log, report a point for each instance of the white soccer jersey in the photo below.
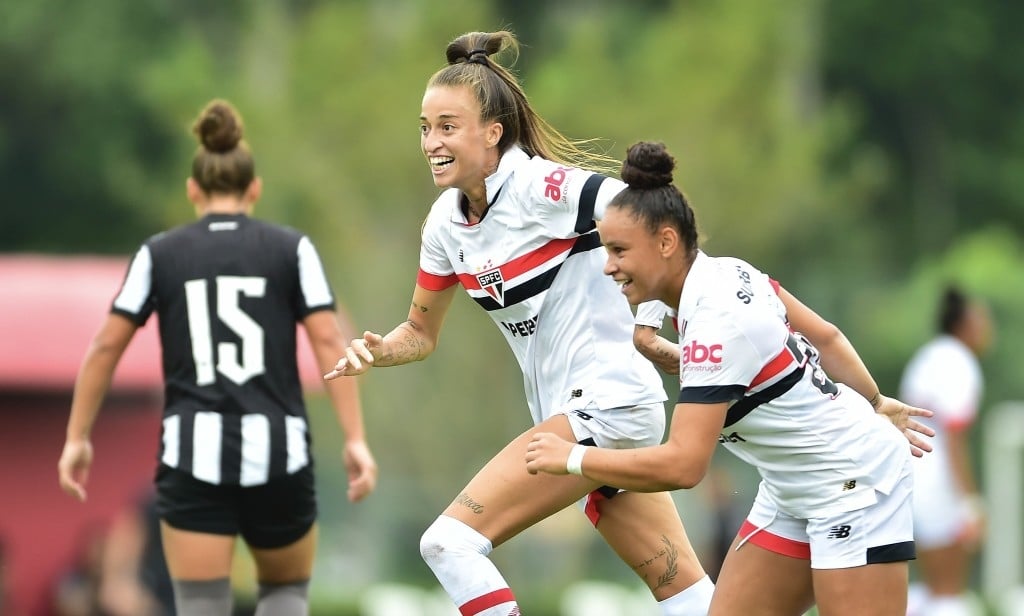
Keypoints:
(534, 263)
(819, 447)
(944, 376)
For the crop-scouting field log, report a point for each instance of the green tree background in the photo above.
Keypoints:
(864, 153)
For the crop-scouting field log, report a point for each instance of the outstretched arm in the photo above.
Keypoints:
(412, 340)
(91, 387)
(840, 360)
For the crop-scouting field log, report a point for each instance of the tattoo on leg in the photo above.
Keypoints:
(671, 554)
(472, 505)
(671, 564)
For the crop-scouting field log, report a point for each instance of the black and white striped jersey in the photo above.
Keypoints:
(228, 291)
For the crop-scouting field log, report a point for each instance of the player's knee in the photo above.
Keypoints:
(448, 537)
(203, 598)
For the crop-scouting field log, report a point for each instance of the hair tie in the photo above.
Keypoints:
(477, 56)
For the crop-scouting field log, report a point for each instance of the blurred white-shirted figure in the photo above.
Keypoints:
(945, 376)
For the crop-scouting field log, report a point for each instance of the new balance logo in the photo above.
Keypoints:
(839, 532)
(849, 485)
(731, 438)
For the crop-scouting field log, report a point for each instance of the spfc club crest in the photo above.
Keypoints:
(493, 284)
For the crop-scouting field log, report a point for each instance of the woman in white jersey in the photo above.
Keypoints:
(944, 375)
(235, 455)
(831, 523)
(515, 227)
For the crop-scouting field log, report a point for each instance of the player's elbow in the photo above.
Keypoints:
(687, 478)
(682, 472)
(643, 338)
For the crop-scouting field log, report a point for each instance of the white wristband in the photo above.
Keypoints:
(574, 463)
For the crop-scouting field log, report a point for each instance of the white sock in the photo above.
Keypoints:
(457, 555)
(695, 600)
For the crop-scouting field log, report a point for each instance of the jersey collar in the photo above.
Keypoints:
(700, 276)
(510, 160)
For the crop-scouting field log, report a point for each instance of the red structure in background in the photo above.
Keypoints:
(50, 308)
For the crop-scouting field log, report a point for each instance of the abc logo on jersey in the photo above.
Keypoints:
(697, 356)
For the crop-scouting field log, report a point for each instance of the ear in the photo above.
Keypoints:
(494, 132)
(194, 192)
(668, 241)
(254, 191)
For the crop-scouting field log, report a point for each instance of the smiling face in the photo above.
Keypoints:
(639, 261)
(460, 147)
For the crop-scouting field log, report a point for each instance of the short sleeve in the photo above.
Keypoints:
(569, 200)
(316, 290)
(435, 272)
(717, 362)
(135, 298)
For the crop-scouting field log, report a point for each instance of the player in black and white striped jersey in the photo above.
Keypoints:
(235, 452)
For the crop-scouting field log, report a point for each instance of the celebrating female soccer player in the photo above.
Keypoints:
(831, 522)
(515, 226)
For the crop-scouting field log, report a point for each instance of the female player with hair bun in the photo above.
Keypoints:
(832, 522)
(515, 226)
(235, 444)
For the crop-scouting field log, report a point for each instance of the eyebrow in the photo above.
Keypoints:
(443, 116)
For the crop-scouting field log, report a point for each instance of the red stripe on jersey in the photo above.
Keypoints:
(775, 285)
(521, 265)
(433, 282)
(775, 543)
(484, 602)
(775, 367)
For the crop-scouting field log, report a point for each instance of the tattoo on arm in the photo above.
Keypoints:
(402, 347)
(419, 307)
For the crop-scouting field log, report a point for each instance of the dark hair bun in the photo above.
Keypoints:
(477, 46)
(648, 165)
(219, 127)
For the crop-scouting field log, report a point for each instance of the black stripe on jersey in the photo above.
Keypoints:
(588, 200)
(743, 407)
(186, 440)
(278, 445)
(892, 553)
(541, 283)
(230, 458)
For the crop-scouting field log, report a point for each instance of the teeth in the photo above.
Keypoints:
(440, 160)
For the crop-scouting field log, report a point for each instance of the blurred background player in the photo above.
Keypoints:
(945, 376)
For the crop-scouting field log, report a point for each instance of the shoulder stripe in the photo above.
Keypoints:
(588, 200)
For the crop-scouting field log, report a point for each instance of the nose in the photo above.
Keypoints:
(609, 267)
(429, 141)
